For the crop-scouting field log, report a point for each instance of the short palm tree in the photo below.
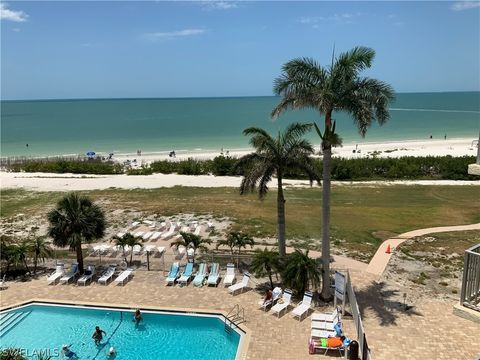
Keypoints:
(130, 240)
(228, 241)
(300, 272)
(74, 221)
(304, 83)
(274, 157)
(18, 253)
(40, 249)
(265, 262)
(193, 241)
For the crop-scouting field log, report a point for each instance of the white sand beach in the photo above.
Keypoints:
(396, 149)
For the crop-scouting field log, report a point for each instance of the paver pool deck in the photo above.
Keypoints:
(429, 330)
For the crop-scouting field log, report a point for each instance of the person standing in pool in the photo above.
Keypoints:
(137, 317)
(98, 335)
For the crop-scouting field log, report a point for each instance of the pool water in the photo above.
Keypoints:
(36, 328)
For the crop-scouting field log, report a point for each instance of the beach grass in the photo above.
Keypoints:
(362, 216)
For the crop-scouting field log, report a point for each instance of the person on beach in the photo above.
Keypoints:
(98, 335)
(137, 317)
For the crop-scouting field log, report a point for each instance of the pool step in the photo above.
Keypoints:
(6, 317)
(9, 322)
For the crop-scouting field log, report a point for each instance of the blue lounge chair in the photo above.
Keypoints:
(200, 276)
(213, 277)
(172, 275)
(186, 275)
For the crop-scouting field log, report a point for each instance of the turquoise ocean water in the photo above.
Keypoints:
(53, 127)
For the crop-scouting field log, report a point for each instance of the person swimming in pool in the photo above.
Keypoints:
(67, 353)
(111, 353)
(98, 335)
(137, 317)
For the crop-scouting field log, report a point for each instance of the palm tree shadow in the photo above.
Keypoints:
(387, 304)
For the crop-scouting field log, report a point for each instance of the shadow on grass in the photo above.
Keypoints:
(384, 303)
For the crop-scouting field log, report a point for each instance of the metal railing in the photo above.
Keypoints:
(470, 294)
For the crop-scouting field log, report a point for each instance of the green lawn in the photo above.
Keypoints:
(362, 216)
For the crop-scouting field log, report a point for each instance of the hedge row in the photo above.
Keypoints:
(370, 168)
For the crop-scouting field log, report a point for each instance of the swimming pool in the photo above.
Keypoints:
(44, 328)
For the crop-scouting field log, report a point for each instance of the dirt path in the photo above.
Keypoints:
(380, 260)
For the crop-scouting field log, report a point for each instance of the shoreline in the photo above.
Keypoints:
(430, 147)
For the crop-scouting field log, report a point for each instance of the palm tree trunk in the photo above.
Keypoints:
(327, 164)
(35, 260)
(281, 217)
(270, 277)
(79, 257)
(131, 257)
(26, 265)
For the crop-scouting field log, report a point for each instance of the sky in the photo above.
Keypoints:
(120, 49)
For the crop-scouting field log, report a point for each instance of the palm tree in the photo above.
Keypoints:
(276, 156)
(74, 221)
(304, 83)
(193, 241)
(229, 241)
(18, 253)
(265, 262)
(41, 249)
(300, 271)
(130, 240)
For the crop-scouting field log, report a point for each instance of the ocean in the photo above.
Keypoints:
(61, 127)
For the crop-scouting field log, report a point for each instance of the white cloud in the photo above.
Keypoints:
(465, 5)
(170, 35)
(346, 18)
(219, 5)
(12, 15)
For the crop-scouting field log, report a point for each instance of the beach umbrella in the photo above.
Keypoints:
(90, 153)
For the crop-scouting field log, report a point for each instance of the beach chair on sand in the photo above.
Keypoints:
(57, 274)
(186, 275)
(124, 276)
(229, 275)
(200, 276)
(87, 276)
(65, 279)
(282, 303)
(304, 306)
(276, 294)
(213, 276)
(241, 285)
(173, 274)
(107, 275)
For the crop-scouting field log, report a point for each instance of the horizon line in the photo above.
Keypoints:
(209, 97)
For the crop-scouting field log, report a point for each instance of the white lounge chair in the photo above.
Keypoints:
(179, 252)
(198, 229)
(135, 223)
(241, 285)
(147, 235)
(107, 275)
(65, 279)
(155, 235)
(304, 306)
(324, 325)
(316, 333)
(169, 233)
(282, 304)
(328, 317)
(3, 283)
(57, 274)
(276, 293)
(87, 276)
(139, 233)
(190, 254)
(124, 277)
(160, 251)
(229, 275)
(137, 249)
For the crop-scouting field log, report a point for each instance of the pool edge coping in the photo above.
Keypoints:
(242, 346)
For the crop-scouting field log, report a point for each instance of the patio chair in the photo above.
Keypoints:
(276, 294)
(283, 303)
(240, 286)
(65, 279)
(173, 274)
(304, 306)
(200, 275)
(229, 275)
(107, 275)
(186, 275)
(87, 276)
(213, 276)
(124, 276)
(57, 274)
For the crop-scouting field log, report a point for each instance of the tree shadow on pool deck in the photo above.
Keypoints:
(384, 302)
